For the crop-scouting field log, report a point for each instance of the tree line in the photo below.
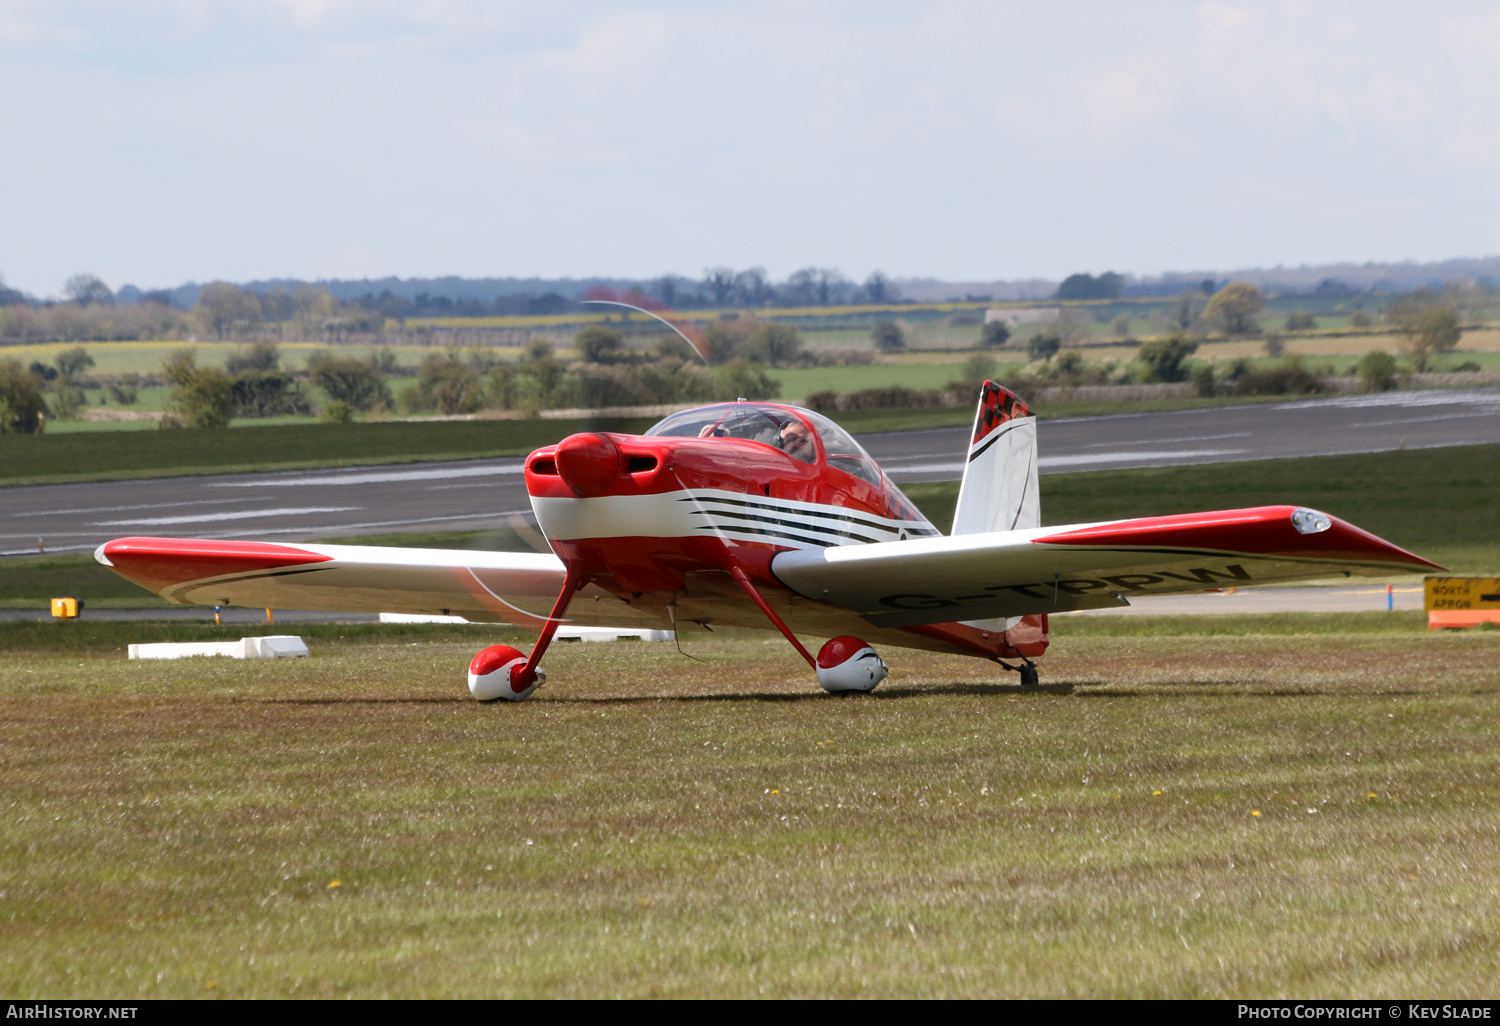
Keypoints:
(90, 310)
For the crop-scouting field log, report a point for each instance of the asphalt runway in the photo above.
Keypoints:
(1218, 434)
(480, 494)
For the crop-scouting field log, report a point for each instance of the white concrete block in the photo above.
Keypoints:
(568, 633)
(276, 646)
(610, 634)
(419, 618)
(185, 649)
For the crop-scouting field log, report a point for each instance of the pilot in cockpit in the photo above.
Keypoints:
(796, 441)
(788, 434)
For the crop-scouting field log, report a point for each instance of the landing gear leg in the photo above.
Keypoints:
(522, 676)
(1030, 678)
(743, 580)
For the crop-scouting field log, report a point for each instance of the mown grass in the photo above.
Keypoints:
(861, 421)
(1261, 812)
(32, 581)
(114, 456)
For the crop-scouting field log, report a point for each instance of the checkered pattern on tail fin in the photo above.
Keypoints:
(996, 406)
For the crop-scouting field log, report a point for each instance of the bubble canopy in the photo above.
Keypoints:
(781, 427)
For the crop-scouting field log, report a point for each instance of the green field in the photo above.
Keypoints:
(1207, 807)
(934, 358)
(52, 459)
(799, 382)
(960, 416)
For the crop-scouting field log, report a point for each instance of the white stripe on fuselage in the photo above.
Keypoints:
(715, 512)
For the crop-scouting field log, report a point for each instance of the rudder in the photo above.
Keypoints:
(999, 488)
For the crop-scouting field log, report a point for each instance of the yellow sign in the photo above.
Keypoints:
(1461, 593)
(65, 608)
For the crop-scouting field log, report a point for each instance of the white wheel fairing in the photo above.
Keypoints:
(490, 675)
(848, 664)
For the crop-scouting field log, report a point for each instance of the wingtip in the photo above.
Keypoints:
(1373, 543)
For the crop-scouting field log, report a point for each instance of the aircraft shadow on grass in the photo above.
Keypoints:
(741, 696)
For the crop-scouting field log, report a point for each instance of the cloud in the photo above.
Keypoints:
(309, 14)
(1248, 53)
(34, 25)
(612, 46)
(1131, 91)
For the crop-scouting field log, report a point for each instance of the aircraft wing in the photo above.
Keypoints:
(1085, 566)
(494, 587)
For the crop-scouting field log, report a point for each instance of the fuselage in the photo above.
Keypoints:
(654, 518)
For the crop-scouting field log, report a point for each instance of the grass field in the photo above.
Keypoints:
(114, 358)
(932, 362)
(49, 459)
(800, 382)
(1203, 807)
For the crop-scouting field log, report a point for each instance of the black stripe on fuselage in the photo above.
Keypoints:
(821, 543)
(789, 524)
(853, 517)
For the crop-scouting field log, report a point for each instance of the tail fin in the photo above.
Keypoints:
(999, 489)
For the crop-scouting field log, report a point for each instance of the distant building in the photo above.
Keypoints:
(1015, 316)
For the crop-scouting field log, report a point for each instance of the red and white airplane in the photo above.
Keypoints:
(760, 515)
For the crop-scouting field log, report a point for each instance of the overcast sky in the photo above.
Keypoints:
(155, 143)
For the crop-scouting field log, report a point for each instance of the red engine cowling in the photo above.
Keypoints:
(588, 462)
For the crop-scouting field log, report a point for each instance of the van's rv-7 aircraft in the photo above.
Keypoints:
(754, 514)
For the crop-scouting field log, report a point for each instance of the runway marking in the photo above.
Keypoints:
(926, 468)
(482, 517)
(1487, 397)
(121, 509)
(1159, 441)
(382, 477)
(1133, 457)
(306, 530)
(1422, 420)
(289, 511)
(1083, 459)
